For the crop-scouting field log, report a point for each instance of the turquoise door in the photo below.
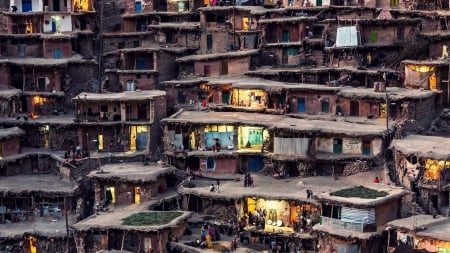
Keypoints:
(141, 140)
(138, 7)
(58, 53)
(301, 105)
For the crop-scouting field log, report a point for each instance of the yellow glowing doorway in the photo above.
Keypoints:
(110, 194)
(100, 142)
(133, 138)
(137, 195)
(245, 23)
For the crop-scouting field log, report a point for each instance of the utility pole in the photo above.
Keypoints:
(67, 225)
(100, 47)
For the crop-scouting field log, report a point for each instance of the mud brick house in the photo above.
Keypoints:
(132, 183)
(404, 104)
(421, 165)
(284, 37)
(9, 102)
(217, 64)
(420, 232)
(428, 75)
(219, 142)
(10, 141)
(177, 35)
(122, 121)
(35, 211)
(354, 218)
(185, 93)
(229, 28)
(118, 230)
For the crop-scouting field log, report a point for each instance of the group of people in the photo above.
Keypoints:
(75, 152)
(248, 180)
(213, 188)
(208, 234)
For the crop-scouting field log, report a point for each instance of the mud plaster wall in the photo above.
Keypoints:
(141, 81)
(130, 6)
(386, 35)
(187, 39)
(435, 48)
(313, 102)
(31, 50)
(220, 41)
(31, 164)
(124, 192)
(274, 32)
(222, 165)
(235, 66)
(423, 111)
(366, 108)
(49, 47)
(10, 146)
(387, 212)
(349, 145)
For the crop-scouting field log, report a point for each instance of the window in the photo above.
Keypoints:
(136, 43)
(130, 85)
(181, 97)
(337, 146)
(400, 33)
(209, 42)
(366, 147)
(373, 36)
(224, 68)
(325, 105)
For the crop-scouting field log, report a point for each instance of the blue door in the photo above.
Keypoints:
(140, 63)
(58, 53)
(141, 140)
(53, 25)
(301, 105)
(22, 48)
(26, 5)
(255, 163)
(138, 7)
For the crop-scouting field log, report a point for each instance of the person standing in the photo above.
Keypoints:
(218, 184)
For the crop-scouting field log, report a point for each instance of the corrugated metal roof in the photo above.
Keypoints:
(347, 36)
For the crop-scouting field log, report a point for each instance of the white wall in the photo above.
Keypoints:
(377, 146)
(65, 23)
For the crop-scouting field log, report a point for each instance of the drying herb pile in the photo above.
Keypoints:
(153, 218)
(359, 192)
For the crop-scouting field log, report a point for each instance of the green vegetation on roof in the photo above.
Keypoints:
(359, 192)
(154, 218)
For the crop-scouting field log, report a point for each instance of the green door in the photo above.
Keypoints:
(225, 97)
(318, 2)
(285, 36)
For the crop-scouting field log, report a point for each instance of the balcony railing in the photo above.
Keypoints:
(358, 227)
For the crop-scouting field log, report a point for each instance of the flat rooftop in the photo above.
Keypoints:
(278, 122)
(132, 172)
(51, 227)
(423, 146)
(119, 96)
(291, 188)
(47, 185)
(425, 225)
(113, 219)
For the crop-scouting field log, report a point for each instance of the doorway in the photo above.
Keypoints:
(100, 142)
(56, 6)
(26, 5)
(337, 146)
(57, 53)
(137, 195)
(225, 97)
(301, 104)
(110, 195)
(354, 108)
(245, 22)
